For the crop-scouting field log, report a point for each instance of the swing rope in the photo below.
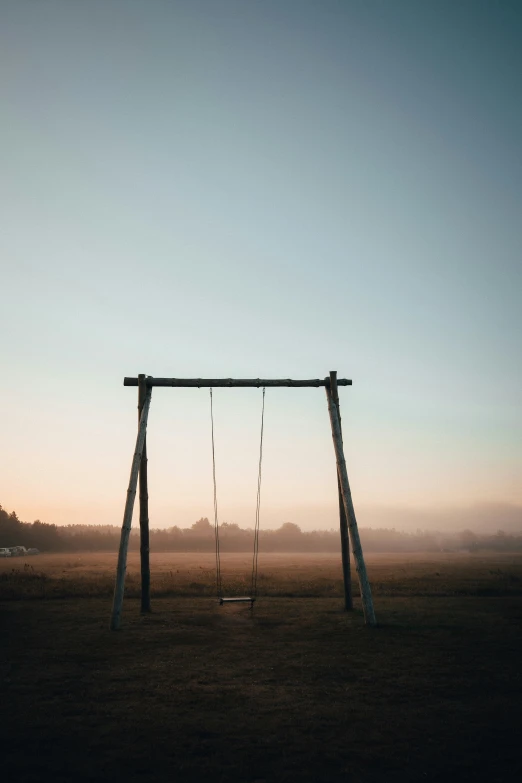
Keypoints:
(219, 587)
(216, 522)
(253, 592)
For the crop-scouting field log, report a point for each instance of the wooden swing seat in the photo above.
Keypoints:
(240, 600)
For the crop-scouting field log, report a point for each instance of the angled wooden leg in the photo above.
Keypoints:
(364, 584)
(343, 524)
(144, 510)
(127, 517)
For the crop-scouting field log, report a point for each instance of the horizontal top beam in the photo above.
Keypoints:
(243, 383)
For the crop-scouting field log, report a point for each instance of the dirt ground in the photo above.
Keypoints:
(298, 690)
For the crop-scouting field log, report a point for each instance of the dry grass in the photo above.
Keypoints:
(284, 576)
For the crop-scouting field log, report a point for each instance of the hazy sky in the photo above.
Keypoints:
(242, 188)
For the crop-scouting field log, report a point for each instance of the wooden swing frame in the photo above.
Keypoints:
(347, 520)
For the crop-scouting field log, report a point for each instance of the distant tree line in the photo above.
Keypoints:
(36, 534)
(200, 538)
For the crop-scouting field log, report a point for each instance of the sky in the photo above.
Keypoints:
(237, 188)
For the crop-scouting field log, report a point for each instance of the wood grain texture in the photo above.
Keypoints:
(127, 517)
(144, 510)
(234, 382)
(364, 584)
(343, 524)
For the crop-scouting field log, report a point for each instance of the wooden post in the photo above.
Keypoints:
(144, 509)
(343, 524)
(366, 593)
(127, 517)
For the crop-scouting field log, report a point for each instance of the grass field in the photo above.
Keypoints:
(298, 690)
(282, 575)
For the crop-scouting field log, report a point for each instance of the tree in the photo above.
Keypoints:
(202, 527)
(290, 529)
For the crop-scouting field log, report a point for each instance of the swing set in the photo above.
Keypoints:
(347, 521)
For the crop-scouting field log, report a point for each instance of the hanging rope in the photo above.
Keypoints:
(216, 521)
(219, 587)
(253, 592)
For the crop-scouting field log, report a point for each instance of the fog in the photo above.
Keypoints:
(480, 517)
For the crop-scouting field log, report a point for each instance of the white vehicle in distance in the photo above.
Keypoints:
(4, 552)
(21, 551)
(17, 551)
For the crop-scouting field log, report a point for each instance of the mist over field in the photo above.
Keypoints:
(479, 517)
(470, 531)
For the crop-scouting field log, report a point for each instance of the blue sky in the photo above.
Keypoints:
(261, 189)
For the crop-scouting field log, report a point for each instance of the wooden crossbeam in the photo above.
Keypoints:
(234, 382)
